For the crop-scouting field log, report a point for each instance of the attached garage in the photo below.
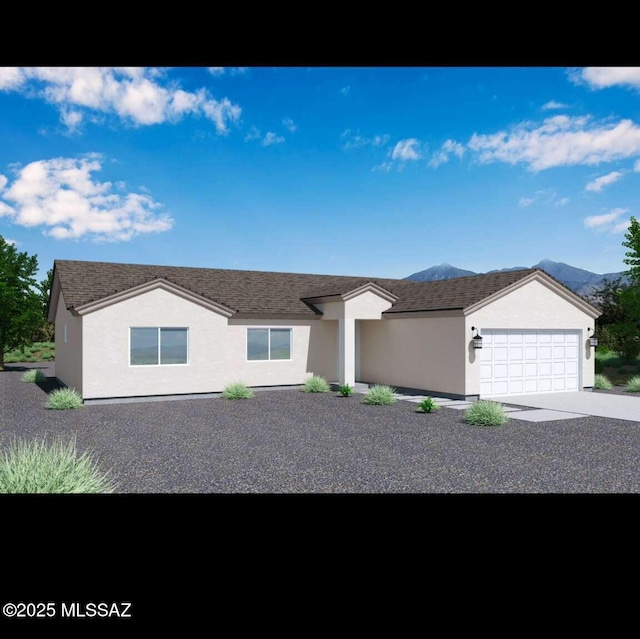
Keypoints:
(514, 362)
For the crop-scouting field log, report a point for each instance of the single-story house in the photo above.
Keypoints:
(130, 330)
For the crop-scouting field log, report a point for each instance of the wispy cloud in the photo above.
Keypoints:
(290, 125)
(636, 166)
(604, 180)
(405, 150)
(604, 77)
(62, 196)
(3, 181)
(345, 90)
(563, 201)
(523, 202)
(271, 138)
(553, 104)
(605, 222)
(559, 141)
(11, 242)
(136, 95)
(216, 71)
(253, 134)
(449, 148)
(355, 140)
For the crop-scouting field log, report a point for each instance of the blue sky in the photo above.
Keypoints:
(357, 171)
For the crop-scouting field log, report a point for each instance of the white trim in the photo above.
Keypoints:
(268, 329)
(159, 364)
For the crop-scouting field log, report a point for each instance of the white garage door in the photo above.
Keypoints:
(514, 362)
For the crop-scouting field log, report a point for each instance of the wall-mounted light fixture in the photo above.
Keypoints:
(593, 340)
(477, 339)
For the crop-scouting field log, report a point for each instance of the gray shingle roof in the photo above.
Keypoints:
(273, 293)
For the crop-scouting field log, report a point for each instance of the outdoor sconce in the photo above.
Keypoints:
(477, 339)
(593, 340)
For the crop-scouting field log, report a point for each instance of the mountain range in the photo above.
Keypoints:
(579, 280)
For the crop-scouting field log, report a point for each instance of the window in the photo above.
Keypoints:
(268, 343)
(153, 346)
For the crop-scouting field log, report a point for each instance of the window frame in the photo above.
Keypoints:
(159, 364)
(269, 329)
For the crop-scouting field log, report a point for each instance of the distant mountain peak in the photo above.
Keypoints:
(579, 280)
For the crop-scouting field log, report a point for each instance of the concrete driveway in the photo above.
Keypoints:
(582, 402)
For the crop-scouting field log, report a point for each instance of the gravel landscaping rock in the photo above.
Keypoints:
(287, 441)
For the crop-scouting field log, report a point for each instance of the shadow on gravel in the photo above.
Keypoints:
(49, 385)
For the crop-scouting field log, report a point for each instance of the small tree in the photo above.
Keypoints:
(626, 326)
(632, 256)
(46, 330)
(20, 302)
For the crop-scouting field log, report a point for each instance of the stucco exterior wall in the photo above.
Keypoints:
(532, 306)
(424, 353)
(217, 350)
(68, 354)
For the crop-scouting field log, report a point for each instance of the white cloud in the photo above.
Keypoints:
(10, 78)
(253, 134)
(636, 166)
(604, 77)
(553, 104)
(604, 222)
(563, 201)
(559, 141)
(450, 147)
(355, 140)
(385, 167)
(604, 180)
(271, 138)
(523, 202)
(3, 181)
(216, 71)
(408, 149)
(290, 125)
(345, 90)
(11, 242)
(238, 70)
(621, 227)
(61, 195)
(137, 95)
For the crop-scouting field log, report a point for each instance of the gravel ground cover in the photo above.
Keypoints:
(286, 441)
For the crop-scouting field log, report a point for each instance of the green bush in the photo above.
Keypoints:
(345, 390)
(34, 467)
(237, 390)
(427, 405)
(64, 399)
(633, 384)
(34, 375)
(316, 384)
(485, 413)
(602, 382)
(380, 395)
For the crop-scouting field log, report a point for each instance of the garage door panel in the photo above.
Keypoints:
(515, 352)
(529, 361)
(544, 352)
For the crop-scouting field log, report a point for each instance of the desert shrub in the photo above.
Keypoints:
(602, 382)
(380, 395)
(64, 399)
(485, 413)
(633, 384)
(427, 405)
(316, 384)
(34, 467)
(237, 390)
(345, 390)
(34, 375)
